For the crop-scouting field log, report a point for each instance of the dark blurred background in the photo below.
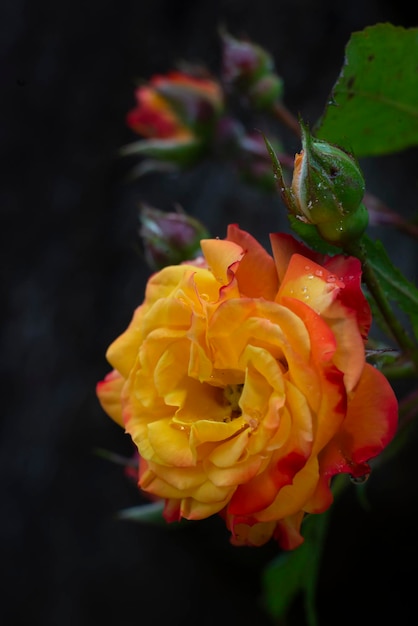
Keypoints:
(72, 273)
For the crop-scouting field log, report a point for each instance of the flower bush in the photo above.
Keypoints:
(243, 382)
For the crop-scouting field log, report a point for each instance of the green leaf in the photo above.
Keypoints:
(373, 109)
(285, 192)
(295, 572)
(396, 286)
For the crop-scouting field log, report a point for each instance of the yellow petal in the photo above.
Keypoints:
(123, 352)
(193, 509)
(207, 430)
(228, 453)
(109, 394)
(185, 479)
(237, 474)
(171, 444)
(222, 257)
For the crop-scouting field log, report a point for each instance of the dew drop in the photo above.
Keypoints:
(331, 278)
(319, 272)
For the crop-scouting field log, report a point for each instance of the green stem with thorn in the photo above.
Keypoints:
(403, 340)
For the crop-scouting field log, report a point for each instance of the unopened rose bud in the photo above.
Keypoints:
(176, 115)
(266, 91)
(169, 238)
(249, 69)
(243, 61)
(328, 188)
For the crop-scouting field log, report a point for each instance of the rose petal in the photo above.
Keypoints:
(256, 274)
(222, 257)
(368, 428)
(109, 394)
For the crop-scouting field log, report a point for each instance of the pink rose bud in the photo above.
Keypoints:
(169, 238)
(249, 69)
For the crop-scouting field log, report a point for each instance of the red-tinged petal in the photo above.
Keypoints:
(172, 511)
(375, 400)
(287, 532)
(334, 336)
(199, 87)
(222, 257)
(350, 355)
(256, 275)
(348, 269)
(109, 394)
(369, 426)
(261, 491)
(154, 117)
(292, 497)
(309, 282)
(284, 246)
(322, 339)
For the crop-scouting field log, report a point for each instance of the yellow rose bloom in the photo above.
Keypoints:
(242, 381)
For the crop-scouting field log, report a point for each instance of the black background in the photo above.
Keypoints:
(72, 273)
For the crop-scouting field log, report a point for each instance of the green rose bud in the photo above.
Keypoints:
(347, 229)
(328, 188)
(266, 92)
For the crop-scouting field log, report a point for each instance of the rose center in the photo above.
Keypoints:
(232, 395)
